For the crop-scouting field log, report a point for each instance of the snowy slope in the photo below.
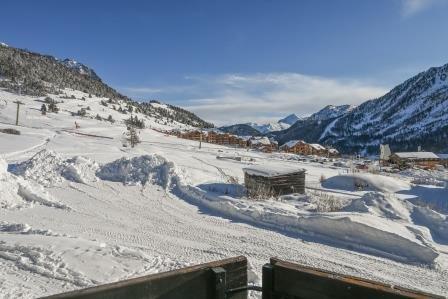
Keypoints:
(91, 211)
(412, 113)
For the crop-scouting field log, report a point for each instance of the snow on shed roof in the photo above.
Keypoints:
(417, 155)
(272, 171)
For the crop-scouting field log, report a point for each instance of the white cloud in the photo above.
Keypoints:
(237, 98)
(413, 7)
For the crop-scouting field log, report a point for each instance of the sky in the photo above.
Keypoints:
(234, 61)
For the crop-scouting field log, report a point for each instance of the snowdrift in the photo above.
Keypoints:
(17, 192)
(366, 181)
(368, 233)
(139, 170)
(48, 169)
(375, 224)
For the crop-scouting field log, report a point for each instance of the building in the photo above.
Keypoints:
(333, 153)
(317, 149)
(443, 159)
(265, 182)
(298, 147)
(262, 144)
(423, 159)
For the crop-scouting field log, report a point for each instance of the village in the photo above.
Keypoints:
(389, 161)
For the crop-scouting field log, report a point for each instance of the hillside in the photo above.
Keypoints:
(40, 75)
(240, 130)
(413, 113)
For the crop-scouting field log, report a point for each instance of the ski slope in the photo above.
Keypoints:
(78, 209)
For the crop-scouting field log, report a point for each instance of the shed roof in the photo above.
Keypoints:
(417, 155)
(272, 171)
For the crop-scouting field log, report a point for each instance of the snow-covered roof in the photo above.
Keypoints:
(262, 141)
(272, 171)
(317, 146)
(417, 155)
(333, 151)
(292, 143)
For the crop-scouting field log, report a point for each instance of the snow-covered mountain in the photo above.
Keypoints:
(80, 68)
(332, 111)
(411, 114)
(42, 75)
(282, 124)
(290, 119)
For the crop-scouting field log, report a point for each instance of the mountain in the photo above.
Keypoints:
(411, 114)
(240, 130)
(331, 111)
(282, 124)
(290, 119)
(40, 75)
(80, 68)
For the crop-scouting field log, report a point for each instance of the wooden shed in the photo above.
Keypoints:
(265, 182)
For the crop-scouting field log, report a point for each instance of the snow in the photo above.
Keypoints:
(272, 171)
(138, 170)
(368, 181)
(80, 210)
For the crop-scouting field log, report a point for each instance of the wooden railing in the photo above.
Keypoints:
(227, 279)
(204, 281)
(285, 280)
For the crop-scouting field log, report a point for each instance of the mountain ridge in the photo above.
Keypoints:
(39, 75)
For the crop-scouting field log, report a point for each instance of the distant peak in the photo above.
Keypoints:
(290, 119)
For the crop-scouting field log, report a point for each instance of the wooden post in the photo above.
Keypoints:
(18, 108)
(219, 274)
(267, 281)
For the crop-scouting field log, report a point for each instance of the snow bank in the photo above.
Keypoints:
(371, 233)
(379, 204)
(389, 240)
(138, 170)
(25, 229)
(17, 192)
(48, 168)
(366, 181)
(436, 222)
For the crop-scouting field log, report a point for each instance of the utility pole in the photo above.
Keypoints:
(200, 137)
(18, 108)
(18, 102)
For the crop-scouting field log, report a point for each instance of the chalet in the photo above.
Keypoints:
(317, 149)
(299, 147)
(423, 159)
(262, 144)
(333, 153)
(211, 136)
(265, 182)
(193, 135)
(223, 138)
(443, 159)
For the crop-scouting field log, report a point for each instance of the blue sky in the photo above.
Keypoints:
(237, 61)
